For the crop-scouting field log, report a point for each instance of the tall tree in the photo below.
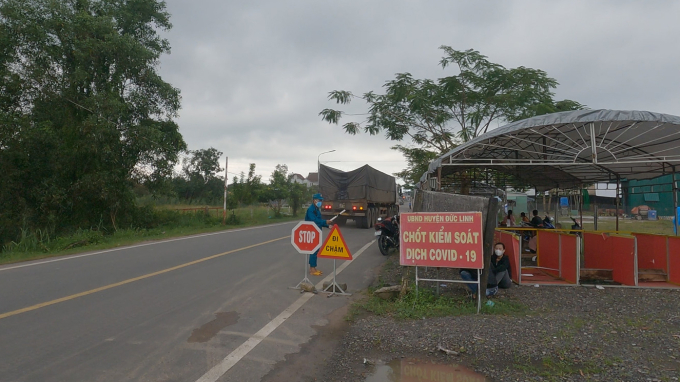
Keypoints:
(84, 112)
(202, 164)
(200, 177)
(247, 188)
(437, 115)
(299, 193)
(278, 189)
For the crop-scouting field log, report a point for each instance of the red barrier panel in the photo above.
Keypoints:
(511, 242)
(674, 260)
(549, 251)
(603, 251)
(595, 249)
(651, 252)
(569, 258)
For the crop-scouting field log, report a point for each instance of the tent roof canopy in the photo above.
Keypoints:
(569, 149)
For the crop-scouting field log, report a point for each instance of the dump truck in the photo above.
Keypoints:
(364, 194)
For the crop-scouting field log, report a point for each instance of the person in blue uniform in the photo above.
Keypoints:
(314, 215)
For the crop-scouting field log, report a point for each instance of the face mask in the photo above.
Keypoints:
(499, 252)
(318, 204)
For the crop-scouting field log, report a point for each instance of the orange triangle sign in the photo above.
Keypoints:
(335, 247)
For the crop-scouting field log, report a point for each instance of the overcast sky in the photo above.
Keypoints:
(255, 74)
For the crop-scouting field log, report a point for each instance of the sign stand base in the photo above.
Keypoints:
(335, 288)
(305, 279)
(437, 280)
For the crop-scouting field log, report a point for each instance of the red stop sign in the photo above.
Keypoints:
(306, 237)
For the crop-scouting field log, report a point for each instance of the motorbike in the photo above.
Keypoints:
(387, 231)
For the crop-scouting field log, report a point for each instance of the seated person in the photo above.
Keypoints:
(471, 275)
(509, 220)
(499, 273)
(536, 221)
(525, 218)
(532, 244)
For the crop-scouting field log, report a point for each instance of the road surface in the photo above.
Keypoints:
(213, 307)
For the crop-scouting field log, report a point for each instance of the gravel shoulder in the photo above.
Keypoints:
(562, 334)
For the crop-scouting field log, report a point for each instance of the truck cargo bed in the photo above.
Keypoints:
(363, 183)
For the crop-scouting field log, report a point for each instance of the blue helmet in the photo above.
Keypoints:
(317, 197)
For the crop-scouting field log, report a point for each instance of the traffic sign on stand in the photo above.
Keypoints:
(335, 247)
(306, 237)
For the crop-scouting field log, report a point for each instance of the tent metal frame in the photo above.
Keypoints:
(566, 150)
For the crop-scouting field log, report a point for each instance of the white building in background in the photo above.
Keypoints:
(297, 178)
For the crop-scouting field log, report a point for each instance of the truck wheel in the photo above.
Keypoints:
(341, 221)
(371, 217)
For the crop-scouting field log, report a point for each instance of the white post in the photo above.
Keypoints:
(226, 179)
(479, 289)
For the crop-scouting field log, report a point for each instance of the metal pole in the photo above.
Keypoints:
(557, 205)
(596, 213)
(479, 290)
(226, 179)
(675, 202)
(416, 281)
(618, 185)
(580, 207)
(334, 283)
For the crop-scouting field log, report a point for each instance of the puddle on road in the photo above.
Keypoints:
(210, 329)
(413, 370)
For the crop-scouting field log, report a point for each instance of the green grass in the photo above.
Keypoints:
(39, 244)
(427, 304)
(556, 368)
(659, 227)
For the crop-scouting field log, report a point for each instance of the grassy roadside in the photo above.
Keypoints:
(38, 245)
(426, 303)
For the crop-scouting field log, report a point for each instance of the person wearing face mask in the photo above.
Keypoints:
(499, 272)
(314, 215)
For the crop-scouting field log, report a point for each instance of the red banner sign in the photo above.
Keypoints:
(441, 239)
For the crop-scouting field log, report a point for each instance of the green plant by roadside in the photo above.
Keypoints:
(152, 224)
(555, 368)
(427, 304)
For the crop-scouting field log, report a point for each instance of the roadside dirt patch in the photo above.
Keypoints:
(308, 364)
(565, 334)
(210, 329)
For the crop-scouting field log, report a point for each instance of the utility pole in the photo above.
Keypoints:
(318, 169)
(226, 179)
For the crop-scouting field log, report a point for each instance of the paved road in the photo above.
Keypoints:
(167, 311)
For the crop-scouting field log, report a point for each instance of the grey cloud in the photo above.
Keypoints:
(255, 74)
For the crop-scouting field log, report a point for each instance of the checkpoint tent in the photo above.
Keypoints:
(570, 149)
(566, 150)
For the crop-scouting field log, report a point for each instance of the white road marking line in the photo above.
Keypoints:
(229, 361)
(141, 245)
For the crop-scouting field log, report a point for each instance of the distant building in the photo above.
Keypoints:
(297, 178)
(313, 178)
(657, 193)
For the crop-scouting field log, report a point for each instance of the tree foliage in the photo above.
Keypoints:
(247, 189)
(436, 115)
(200, 178)
(84, 115)
(279, 188)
